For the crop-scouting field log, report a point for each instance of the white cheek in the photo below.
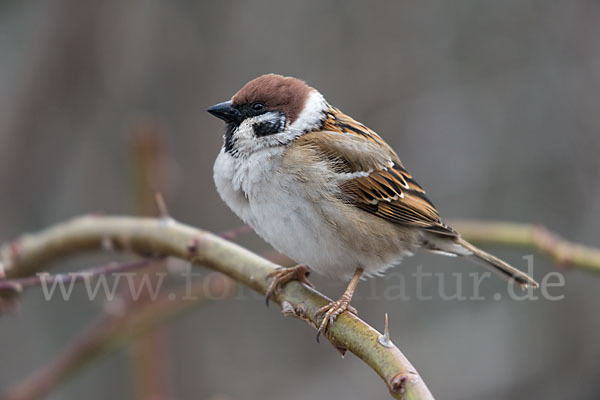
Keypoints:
(245, 138)
(309, 119)
(244, 131)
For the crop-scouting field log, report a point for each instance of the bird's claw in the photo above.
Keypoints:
(281, 276)
(330, 313)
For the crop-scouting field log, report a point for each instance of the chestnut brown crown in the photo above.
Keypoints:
(278, 93)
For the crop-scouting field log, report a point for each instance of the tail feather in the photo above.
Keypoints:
(459, 246)
(496, 265)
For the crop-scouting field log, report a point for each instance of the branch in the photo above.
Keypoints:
(166, 237)
(18, 284)
(562, 251)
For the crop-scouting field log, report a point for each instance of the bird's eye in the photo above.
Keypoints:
(258, 106)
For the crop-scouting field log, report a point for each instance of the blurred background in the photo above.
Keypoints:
(493, 106)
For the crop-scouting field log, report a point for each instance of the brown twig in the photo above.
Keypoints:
(235, 232)
(150, 236)
(18, 284)
(109, 331)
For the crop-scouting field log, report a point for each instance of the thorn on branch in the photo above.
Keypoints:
(162, 207)
(341, 350)
(384, 339)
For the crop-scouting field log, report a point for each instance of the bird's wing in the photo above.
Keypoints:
(372, 177)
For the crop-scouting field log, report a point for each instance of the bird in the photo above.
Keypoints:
(327, 191)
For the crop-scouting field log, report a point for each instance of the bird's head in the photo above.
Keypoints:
(271, 110)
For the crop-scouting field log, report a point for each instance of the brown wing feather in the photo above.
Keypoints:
(337, 121)
(392, 200)
(379, 183)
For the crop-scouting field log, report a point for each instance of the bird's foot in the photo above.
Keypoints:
(331, 311)
(281, 276)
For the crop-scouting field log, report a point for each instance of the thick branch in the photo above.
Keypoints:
(537, 237)
(166, 237)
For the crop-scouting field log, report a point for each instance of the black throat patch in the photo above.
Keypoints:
(229, 132)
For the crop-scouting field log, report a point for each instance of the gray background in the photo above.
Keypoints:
(492, 105)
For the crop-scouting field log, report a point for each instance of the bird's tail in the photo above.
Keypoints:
(496, 265)
(459, 246)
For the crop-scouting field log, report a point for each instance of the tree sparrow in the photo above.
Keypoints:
(326, 190)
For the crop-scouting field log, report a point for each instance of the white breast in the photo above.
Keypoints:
(264, 197)
(297, 222)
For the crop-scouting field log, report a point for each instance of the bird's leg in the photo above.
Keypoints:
(335, 308)
(281, 276)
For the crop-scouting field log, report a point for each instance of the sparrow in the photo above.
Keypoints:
(326, 190)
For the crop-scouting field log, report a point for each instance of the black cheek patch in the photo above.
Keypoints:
(266, 128)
